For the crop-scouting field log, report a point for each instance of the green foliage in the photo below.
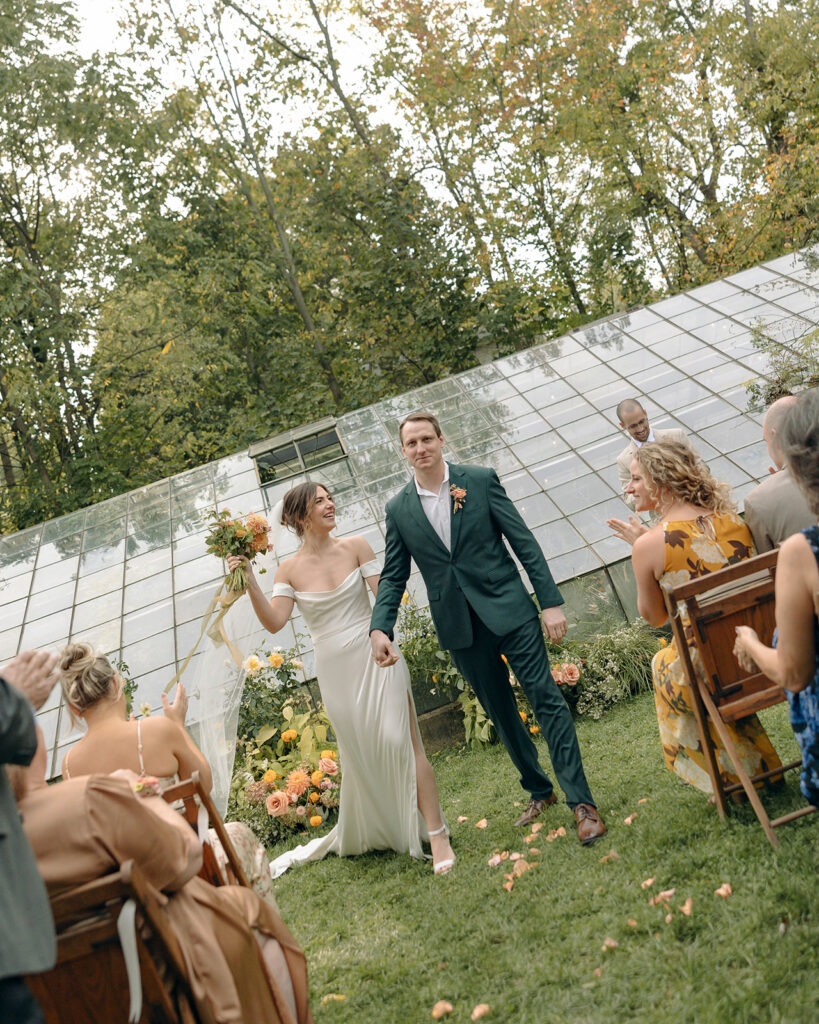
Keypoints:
(129, 687)
(616, 666)
(429, 667)
(268, 689)
(792, 366)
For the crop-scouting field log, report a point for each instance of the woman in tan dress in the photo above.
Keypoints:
(242, 962)
(698, 532)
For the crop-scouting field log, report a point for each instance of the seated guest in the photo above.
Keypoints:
(777, 508)
(794, 662)
(698, 532)
(634, 420)
(156, 745)
(86, 827)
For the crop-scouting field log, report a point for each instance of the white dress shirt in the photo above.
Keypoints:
(436, 508)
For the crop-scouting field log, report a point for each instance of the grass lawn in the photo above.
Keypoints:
(383, 932)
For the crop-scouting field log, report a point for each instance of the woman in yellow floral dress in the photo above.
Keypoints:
(698, 532)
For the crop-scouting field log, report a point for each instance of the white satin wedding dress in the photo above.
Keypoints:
(372, 712)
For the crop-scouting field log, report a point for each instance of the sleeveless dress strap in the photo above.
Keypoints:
(371, 568)
(139, 746)
(283, 590)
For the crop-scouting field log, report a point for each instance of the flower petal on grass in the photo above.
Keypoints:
(508, 886)
(534, 853)
(611, 855)
(687, 906)
(504, 855)
(332, 997)
(441, 1009)
(631, 923)
(462, 818)
(521, 866)
(646, 883)
(598, 972)
(669, 917)
(630, 819)
(530, 839)
(661, 897)
(609, 943)
(481, 1010)
(482, 823)
(494, 860)
(724, 890)
(643, 800)
(538, 825)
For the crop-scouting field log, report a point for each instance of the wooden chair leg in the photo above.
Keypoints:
(744, 777)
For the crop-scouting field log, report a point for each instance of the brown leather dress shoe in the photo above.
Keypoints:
(589, 824)
(534, 808)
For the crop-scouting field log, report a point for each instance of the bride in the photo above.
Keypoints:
(389, 798)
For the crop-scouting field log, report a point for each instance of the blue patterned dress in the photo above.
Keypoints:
(805, 706)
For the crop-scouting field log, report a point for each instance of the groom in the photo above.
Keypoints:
(452, 520)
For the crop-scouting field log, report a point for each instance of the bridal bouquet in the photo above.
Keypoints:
(230, 536)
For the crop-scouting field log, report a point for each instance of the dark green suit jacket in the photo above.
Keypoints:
(477, 571)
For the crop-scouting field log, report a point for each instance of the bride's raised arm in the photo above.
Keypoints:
(272, 614)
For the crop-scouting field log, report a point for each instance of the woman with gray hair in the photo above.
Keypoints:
(794, 660)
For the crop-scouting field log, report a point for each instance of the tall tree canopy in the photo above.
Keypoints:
(252, 214)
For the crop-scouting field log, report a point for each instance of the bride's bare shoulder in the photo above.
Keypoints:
(359, 547)
(285, 570)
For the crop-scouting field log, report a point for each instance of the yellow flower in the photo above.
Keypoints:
(316, 820)
(270, 776)
(289, 735)
(329, 753)
(314, 798)
(662, 642)
(522, 715)
(296, 663)
(275, 660)
(316, 777)
(252, 664)
(534, 729)
(435, 679)
(405, 598)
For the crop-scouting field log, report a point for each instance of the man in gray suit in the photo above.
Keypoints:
(777, 508)
(27, 943)
(634, 419)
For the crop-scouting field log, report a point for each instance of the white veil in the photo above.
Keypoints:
(218, 681)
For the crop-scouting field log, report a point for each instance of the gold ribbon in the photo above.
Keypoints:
(214, 626)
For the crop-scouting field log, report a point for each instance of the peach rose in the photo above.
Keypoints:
(571, 673)
(277, 803)
(275, 660)
(328, 766)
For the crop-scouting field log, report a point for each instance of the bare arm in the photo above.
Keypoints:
(793, 662)
(272, 614)
(647, 561)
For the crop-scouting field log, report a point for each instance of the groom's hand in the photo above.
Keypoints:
(554, 623)
(384, 654)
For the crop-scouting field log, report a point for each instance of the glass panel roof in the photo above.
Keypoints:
(131, 574)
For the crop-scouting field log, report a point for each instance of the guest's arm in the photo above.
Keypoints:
(647, 557)
(792, 663)
(18, 739)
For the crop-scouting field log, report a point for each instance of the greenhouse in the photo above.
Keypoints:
(131, 574)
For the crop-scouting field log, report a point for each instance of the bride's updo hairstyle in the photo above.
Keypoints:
(86, 678)
(298, 503)
(672, 465)
(799, 440)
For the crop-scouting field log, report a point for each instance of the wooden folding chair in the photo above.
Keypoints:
(90, 983)
(703, 614)
(200, 812)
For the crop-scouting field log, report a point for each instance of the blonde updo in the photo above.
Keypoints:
(87, 678)
(673, 466)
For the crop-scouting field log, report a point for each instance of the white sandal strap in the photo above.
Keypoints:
(437, 831)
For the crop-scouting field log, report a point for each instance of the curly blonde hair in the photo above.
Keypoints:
(674, 466)
(86, 678)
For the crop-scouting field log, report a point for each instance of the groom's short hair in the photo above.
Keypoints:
(414, 417)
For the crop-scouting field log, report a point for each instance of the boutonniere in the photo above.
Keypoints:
(458, 497)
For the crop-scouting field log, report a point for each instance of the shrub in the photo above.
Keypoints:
(616, 666)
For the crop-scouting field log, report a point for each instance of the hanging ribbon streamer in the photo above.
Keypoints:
(126, 928)
(213, 624)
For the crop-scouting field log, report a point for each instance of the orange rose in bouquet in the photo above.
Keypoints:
(230, 536)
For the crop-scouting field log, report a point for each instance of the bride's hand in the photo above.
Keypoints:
(630, 531)
(384, 654)
(234, 561)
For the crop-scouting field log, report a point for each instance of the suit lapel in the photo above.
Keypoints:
(457, 478)
(412, 504)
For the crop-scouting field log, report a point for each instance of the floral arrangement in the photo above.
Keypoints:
(228, 536)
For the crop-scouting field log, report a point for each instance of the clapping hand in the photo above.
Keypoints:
(741, 653)
(630, 531)
(179, 709)
(34, 674)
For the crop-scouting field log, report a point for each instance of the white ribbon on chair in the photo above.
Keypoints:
(126, 928)
(202, 825)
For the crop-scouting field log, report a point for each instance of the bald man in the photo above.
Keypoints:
(777, 508)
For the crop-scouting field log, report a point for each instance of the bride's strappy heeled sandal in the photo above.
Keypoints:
(442, 866)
